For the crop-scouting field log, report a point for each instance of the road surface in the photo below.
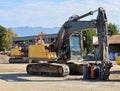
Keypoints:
(13, 77)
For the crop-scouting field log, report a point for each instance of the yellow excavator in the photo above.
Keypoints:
(64, 56)
(19, 54)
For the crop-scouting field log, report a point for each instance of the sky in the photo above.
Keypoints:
(52, 13)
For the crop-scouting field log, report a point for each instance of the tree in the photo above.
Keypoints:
(11, 35)
(88, 40)
(88, 36)
(3, 38)
(112, 29)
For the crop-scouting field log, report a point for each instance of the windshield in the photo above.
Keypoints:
(75, 47)
(75, 42)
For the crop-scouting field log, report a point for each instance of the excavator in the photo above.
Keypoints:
(64, 56)
(19, 53)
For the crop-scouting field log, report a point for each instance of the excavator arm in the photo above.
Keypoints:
(75, 25)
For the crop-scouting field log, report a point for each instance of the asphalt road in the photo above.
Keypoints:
(13, 77)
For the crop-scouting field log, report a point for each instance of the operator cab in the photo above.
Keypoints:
(75, 47)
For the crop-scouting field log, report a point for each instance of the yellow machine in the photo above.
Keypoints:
(16, 52)
(118, 60)
(18, 55)
(41, 51)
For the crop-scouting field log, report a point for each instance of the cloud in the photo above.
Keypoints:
(50, 13)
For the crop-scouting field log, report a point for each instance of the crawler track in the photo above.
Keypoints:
(48, 69)
(18, 60)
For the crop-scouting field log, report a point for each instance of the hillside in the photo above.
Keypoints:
(29, 31)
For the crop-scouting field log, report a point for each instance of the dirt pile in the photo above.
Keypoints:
(4, 59)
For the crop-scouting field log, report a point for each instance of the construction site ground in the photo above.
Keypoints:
(13, 77)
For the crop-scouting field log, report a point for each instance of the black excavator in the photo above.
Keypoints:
(68, 48)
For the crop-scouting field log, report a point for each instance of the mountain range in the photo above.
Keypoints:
(30, 31)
